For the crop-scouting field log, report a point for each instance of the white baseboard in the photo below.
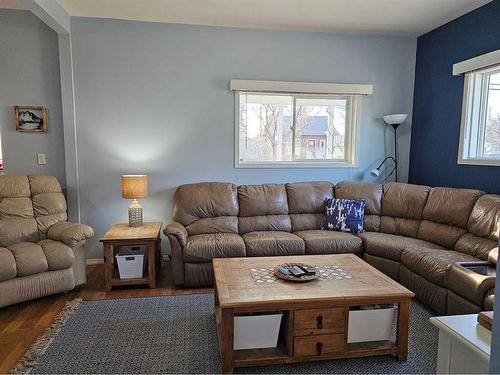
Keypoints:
(93, 261)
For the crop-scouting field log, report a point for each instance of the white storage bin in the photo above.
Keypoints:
(256, 331)
(370, 325)
(130, 260)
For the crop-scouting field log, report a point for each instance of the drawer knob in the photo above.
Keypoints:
(319, 347)
(319, 321)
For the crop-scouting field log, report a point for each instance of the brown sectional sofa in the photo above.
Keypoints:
(415, 234)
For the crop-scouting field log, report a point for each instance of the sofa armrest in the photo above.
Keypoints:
(469, 284)
(489, 300)
(178, 231)
(70, 233)
(493, 256)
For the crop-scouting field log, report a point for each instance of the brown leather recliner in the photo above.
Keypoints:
(415, 234)
(40, 252)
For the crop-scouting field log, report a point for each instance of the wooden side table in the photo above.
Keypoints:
(120, 235)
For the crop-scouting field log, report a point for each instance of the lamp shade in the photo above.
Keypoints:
(397, 118)
(375, 172)
(134, 186)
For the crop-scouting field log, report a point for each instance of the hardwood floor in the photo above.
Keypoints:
(21, 324)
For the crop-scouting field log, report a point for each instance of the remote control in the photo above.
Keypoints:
(284, 271)
(308, 270)
(297, 271)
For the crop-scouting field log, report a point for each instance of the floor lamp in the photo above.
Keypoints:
(395, 120)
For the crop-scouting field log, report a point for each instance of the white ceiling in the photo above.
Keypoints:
(381, 17)
(385, 17)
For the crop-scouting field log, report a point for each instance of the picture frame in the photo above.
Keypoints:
(31, 119)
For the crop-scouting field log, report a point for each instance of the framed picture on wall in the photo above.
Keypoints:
(31, 118)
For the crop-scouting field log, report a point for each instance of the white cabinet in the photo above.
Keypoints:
(464, 345)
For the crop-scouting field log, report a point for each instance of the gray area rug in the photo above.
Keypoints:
(176, 334)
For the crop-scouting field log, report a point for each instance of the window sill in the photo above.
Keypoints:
(484, 162)
(296, 164)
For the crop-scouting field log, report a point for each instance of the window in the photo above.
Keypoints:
(480, 130)
(279, 129)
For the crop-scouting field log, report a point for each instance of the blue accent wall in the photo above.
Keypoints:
(437, 102)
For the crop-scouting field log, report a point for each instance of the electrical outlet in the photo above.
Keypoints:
(41, 159)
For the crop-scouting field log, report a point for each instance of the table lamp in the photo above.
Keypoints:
(134, 187)
(395, 120)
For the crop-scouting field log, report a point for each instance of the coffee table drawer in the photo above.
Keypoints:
(318, 345)
(319, 321)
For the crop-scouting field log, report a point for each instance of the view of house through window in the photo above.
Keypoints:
(480, 137)
(281, 128)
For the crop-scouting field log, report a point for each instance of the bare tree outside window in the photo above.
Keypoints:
(281, 128)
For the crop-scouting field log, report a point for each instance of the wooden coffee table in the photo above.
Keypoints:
(316, 313)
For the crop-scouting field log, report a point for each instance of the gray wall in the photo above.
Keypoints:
(29, 75)
(154, 99)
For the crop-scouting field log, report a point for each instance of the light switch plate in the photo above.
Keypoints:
(41, 159)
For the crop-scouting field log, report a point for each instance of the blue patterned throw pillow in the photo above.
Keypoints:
(345, 215)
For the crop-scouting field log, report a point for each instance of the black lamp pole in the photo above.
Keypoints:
(395, 126)
(393, 169)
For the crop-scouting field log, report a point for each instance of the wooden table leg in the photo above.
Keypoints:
(402, 335)
(226, 338)
(152, 263)
(108, 264)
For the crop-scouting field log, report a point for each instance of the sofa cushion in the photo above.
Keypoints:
(390, 246)
(450, 206)
(30, 258)
(263, 208)
(273, 243)
(40, 184)
(476, 246)
(442, 234)
(306, 204)
(259, 200)
(425, 291)
(330, 242)
(484, 220)
(222, 224)
(202, 248)
(387, 266)
(17, 230)
(402, 206)
(17, 207)
(59, 256)
(204, 200)
(371, 193)
(49, 203)
(45, 204)
(432, 264)
(12, 185)
(308, 197)
(307, 221)
(264, 223)
(7, 265)
(404, 200)
(445, 215)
